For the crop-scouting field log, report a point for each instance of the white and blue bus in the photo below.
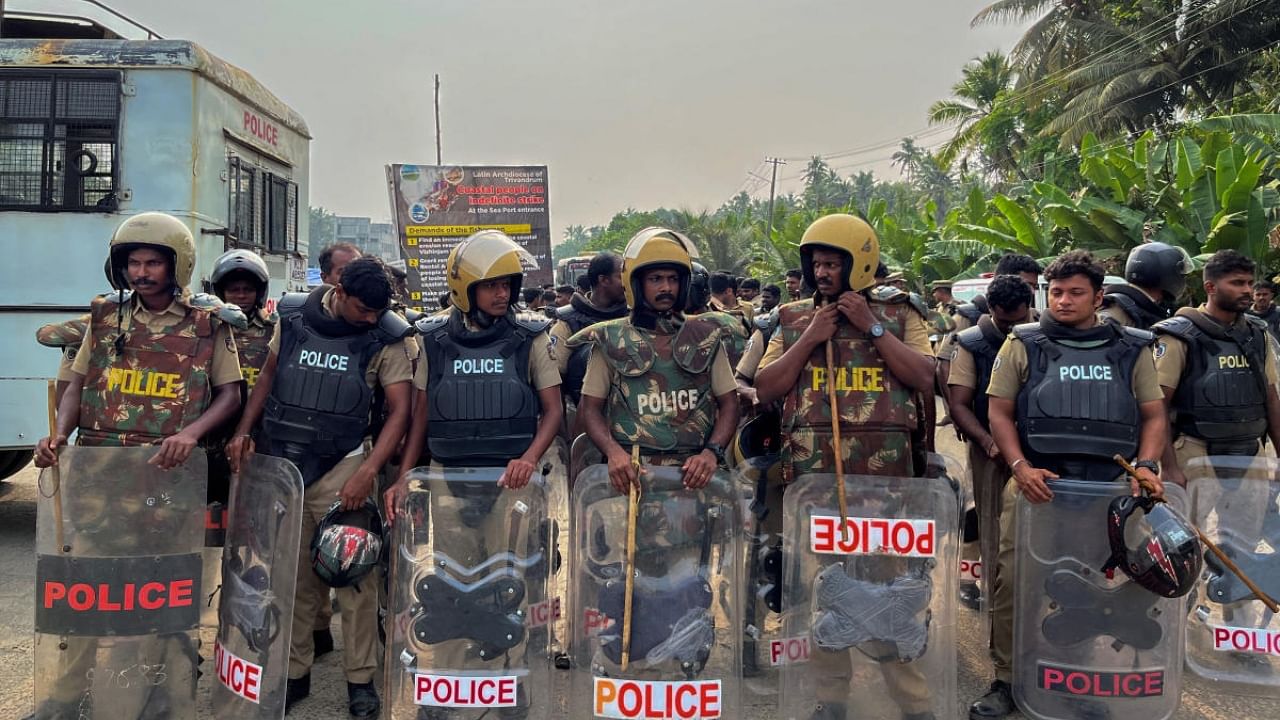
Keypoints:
(95, 128)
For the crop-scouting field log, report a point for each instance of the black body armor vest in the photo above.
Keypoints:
(1141, 310)
(579, 314)
(983, 342)
(318, 409)
(481, 409)
(972, 311)
(1077, 409)
(1221, 396)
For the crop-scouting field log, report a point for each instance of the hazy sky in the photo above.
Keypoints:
(643, 104)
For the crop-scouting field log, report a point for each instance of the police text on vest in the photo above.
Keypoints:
(478, 366)
(324, 361)
(1084, 372)
(664, 403)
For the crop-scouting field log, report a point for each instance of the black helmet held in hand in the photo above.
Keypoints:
(1162, 553)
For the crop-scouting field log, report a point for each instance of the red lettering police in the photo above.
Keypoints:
(126, 597)
(1247, 640)
(1075, 681)
(238, 675)
(465, 691)
(258, 127)
(872, 536)
(789, 651)
(656, 700)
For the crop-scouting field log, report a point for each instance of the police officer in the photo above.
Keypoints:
(882, 331)
(724, 300)
(972, 356)
(657, 379)
(770, 296)
(1219, 377)
(187, 358)
(735, 333)
(749, 292)
(1264, 306)
(605, 301)
(331, 347)
(794, 283)
(1156, 274)
(483, 348)
(1042, 436)
(333, 258)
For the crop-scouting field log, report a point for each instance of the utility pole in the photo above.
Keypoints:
(438, 157)
(1, 18)
(773, 186)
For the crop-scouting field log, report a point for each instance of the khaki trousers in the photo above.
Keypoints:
(1002, 588)
(358, 603)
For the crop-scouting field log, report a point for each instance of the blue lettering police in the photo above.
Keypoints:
(1084, 372)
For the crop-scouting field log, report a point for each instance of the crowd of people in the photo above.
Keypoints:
(356, 389)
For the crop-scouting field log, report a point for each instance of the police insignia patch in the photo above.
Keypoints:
(1160, 350)
(996, 365)
(954, 353)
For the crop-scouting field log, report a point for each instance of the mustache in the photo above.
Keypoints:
(665, 296)
(142, 282)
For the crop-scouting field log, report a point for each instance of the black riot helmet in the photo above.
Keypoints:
(699, 288)
(1161, 551)
(347, 544)
(1158, 265)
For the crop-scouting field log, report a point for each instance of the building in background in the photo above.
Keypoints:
(372, 238)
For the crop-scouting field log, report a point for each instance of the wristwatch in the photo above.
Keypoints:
(718, 451)
(876, 331)
(1151, 465)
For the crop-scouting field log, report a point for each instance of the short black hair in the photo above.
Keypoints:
(750, 284)
(530, 294)
(795, 273)
(326, 255)
(1265, 285)
(720, 282)
(771, 288)
(602, 265)
(564, 290)
(584, 284)
(1013, 264)
(1008, 292)
(1227, 262)
(1076, 262)
(549, 296)
(367, 280)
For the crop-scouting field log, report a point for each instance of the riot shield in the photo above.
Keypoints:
(1088, 643)
(468, 560)
(118, 546)
(686, 621)
(759, 481)
(259, 571)
(1232, 639)
(870, 604)
(547, 615)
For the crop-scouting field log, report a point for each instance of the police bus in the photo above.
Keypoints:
(95, 128)
(570, 269)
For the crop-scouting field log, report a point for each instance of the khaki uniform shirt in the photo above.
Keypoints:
(392, 364)
(749, 365)
(224, 368)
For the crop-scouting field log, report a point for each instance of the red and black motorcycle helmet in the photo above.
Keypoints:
(1160, 551)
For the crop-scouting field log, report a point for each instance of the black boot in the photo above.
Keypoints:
(362, 700)
(295, 690)
(997, 703)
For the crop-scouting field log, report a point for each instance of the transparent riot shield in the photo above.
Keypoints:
(759, 482)
(1089, 644)
(1232, 639)
(686, 623)
(118, 544)
(870, 604)
(468, 559)
(259, 571)
(548, 616)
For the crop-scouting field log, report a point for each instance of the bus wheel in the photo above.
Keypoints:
(11, 461)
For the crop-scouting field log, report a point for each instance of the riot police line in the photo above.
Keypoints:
(720, 511)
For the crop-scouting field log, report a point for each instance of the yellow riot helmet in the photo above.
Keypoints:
(486, 255)
(158, 230)
(850, 235)
(651, 247)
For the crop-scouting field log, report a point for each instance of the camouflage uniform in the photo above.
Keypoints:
(877, 415)
(672, 361)
(734, 335)
(253, 344)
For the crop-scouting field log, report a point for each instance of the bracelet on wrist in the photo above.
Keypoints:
(1014, 466)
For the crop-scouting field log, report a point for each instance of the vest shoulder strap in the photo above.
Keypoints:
(974, 340)
(532, 323)
(291, 304)
(1124, 302)
(1134, 336)
(394, 326)
(429, 325)
(1180, 327)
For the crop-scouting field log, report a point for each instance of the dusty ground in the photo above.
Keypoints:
(17, 577)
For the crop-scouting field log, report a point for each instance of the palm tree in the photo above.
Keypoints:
(985, 127)
(907, 158)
